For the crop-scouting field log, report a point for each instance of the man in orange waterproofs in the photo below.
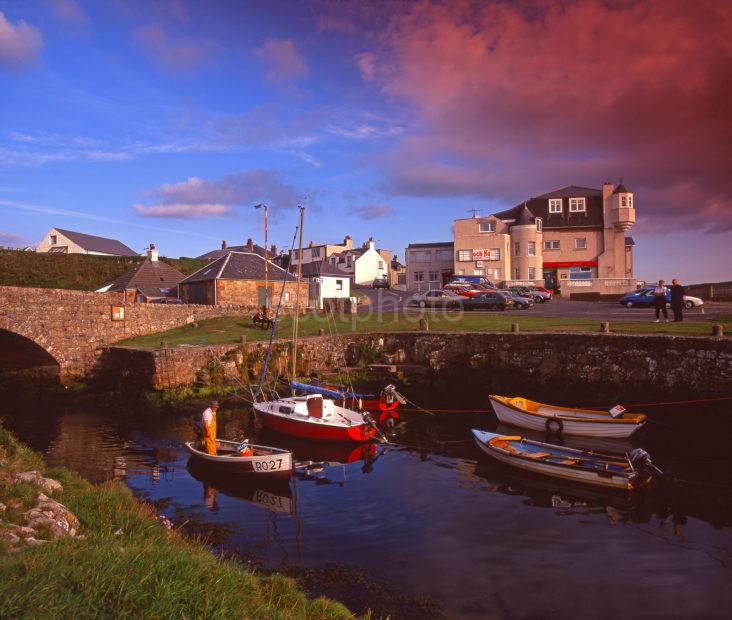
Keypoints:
(208, 420)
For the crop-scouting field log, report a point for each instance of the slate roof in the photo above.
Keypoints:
(539, 207)
(621, 189)
(152, 278)
(214, 254)
(438, 244)
(92, 243)
(238, 266)
(322, 268)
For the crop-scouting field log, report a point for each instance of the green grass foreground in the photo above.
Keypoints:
(229, 329)
(145, 571)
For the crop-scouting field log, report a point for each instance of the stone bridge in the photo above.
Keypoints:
(66, 329)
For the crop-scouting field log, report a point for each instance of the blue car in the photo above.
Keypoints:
(644, 298)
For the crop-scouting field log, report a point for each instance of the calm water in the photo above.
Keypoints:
(432, 530)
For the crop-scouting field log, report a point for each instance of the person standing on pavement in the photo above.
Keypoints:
(677, 300)
(659, 300)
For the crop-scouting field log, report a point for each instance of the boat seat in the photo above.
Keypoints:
(536, 455)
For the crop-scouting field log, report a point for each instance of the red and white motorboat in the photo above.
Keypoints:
(315, 417)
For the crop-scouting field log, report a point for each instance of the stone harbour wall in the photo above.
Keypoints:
(591, 366)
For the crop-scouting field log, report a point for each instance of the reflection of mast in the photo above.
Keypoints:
(298, 523)
(296, 323)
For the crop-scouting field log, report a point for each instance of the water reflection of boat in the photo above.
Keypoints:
(273, 494)
(567, 463)
(596, 444)
(586, 422)
(326, 452)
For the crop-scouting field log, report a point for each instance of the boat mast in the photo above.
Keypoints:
(296, 322)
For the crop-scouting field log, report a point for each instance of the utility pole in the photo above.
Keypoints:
(296, 323)
(266, 262)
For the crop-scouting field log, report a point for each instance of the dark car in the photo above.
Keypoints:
(381, 283)
(519, 302)
(166, 300)
(488, 301)
(437, 299)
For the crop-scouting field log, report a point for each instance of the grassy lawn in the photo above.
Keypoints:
(129, 565)
(228, 330)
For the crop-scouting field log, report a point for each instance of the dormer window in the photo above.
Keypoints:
(487, 227)
(577, 205)
(555, 205)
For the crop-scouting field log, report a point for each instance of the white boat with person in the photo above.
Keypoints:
(243, 458)
(632, 471)
(520, 411)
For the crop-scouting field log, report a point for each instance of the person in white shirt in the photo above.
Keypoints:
(659, 301)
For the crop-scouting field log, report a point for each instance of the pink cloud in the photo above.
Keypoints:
(182, 211)
(366, 63)
(11, 239)
(283, 61)
(20, 44)
(199, 198)
(69, 12)
(518, 99)
(178, 54)
(373, 212)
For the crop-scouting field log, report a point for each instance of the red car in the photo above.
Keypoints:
(466, 290)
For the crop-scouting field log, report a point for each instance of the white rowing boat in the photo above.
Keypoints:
(533, 415)
(265, 460)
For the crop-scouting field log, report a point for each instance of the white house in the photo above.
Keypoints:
(60, 241)
(326, 282)
(363, 264)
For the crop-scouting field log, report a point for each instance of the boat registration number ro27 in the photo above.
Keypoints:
(269, 465)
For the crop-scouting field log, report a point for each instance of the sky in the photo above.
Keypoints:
(167, 121)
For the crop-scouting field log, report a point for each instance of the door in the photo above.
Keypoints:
(260, 296)
(550, 279)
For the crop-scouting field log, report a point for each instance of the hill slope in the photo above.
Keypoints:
(72, 271)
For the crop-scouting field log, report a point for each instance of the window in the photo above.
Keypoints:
(285, 296)
(576, 205)
(517, 249)
(53, 240)
(623, 201)
(419, 276)
(532, 273)
(630, 200)
(487, 227)
(516, 273)
(555, 205)
(580, 273)
(465, 255)
(421, 256)
(434, 276)
(443, 255)
(551, 245)
(316, 252)
(478, 272)
(539, 225)
(495, 254)
(580, 243)
(382, 264)
(497, 274)
(339, 285)
(349, 260)
(532, 248)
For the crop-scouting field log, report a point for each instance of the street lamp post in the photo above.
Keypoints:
(266, 265)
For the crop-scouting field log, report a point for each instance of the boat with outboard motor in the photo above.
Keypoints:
(631, 472)
(385, 403)
(537, 416)
(243, 458)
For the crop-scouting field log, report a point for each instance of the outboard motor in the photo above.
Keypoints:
(390, 394)
(641, 461)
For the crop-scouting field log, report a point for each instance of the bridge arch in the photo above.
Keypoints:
(23, 357)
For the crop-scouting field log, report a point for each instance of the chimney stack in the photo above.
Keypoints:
(152, 253)
(223, 244)
(607, 190)
(250, 245)
(273, 250)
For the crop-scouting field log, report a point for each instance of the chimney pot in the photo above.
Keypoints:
(223, 244)
(250, 244)
(273, 249)
(152, 253)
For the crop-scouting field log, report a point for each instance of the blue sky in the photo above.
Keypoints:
(166, 122)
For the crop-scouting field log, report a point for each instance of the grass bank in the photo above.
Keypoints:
(229, 329)
(129, 565)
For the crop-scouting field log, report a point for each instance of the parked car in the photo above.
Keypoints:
(538, 296)
(541, 289)
(437, 299)
(644, 298)
(488, 301)
(519, 302)
(166, 300)
(461, 288)
(381, 283)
